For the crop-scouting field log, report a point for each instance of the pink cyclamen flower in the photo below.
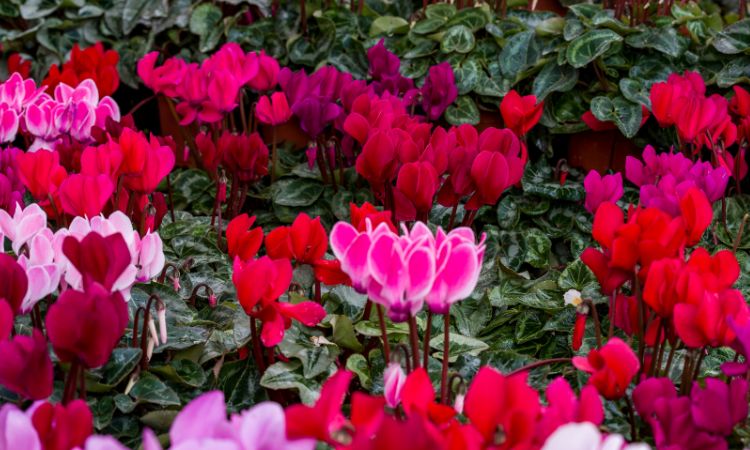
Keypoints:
(601, 189)
(458, 262)
(351, 247)
(16, 429)
(274, 110)
(719, 406)
(23, 225)
(393, 383)
(586, 436)
(43, 272)
(8, 124)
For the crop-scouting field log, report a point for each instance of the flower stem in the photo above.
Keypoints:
(70, 383)
(426, 348)
(257, 351)
(274, 155)
(414, 339)
(536, 364)
(384, 335)
(446, 355)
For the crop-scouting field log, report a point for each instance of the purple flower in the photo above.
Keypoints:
(666, 177)
(719, 406)
(315, 114)
(439, 90)
(601, 189)
(742, 346)
(385, 71)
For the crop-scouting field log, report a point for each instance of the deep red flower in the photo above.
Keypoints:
(323, 419)
(145, 161)
(13, 282)
(305, 241)
(418, 397)
(495, 401)
(103, 159)
(101, 317)
(243, 241)
(707, 323)
(740, 103)
(697, 212)
(85, 195)
(274, 110)
(27, 368)
(41, 172)
(93, 62)
(359, 216)
(277, 317)
(378, 160)
(63, 427)
(520, 114)
(328, 272)
(579, 329)
(16, 63)
(418, 182)
(260, 281)
(244, 155)
(612, 368)
(100, 260)
(6, 320)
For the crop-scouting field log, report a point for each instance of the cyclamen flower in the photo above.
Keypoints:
(520, 114)
(94, 63)
(203, 423)
(439, 90)
(612, 368)
(601, 189)
(586, 436)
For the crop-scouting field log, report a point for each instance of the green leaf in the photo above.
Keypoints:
(554, 78)
(150, 389)
(737, 70)
(442, 11)
(287, 375)
(624, 113)
(316, 357)
(577, 276)
(464, 111)
(358, 364)
(205, 22)
(159, 420)
(343, 333)
(472, 316)
(132, 13)
(472, 18)
(427, 26)
(736, 206)
(459, 345)
(103, 409)
(371, 328)
(388, 25)
(573, 28)
(538, 248)
(636, 91)
(734, 39)
(665, 40)
(589, 46)
(182, 371)
(296, 191)
(36, 9)
(240, 382)
(466, 77)
(521, 51)
(121, 363)
(459, 39)
(491, 87)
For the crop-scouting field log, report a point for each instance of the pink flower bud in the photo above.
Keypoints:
(161, 314)
(212, 300)
(152, 330)
(393, 379)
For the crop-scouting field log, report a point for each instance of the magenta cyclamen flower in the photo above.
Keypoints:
(719, 406)
(385, 71)
(600, 189)
(439, 90)
(666, 177)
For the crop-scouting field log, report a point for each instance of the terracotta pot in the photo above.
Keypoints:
(549, 5)
(600, 150)
(489, 119)
(289, 133)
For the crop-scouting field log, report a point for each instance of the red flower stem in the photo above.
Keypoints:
(534, 365)
(452, 220)
(257, 351)
(232, 196)
(271, 356)
(687, 371)
(274, 155)
(169, 194)
(446, 355)
(641, 321)
(242, 198)
(186, 136)
(82, 389)
(243, 116)
(139, 105)
(631, 418)
(612, 306)
(597, 324)
(738, 238)
(70, 383)
(317, 291)
(672, 350)
(697, 371)
(426, 351)
(658, 349)
(368, 310)
(414, 340)
(303, 16)
(384, 335)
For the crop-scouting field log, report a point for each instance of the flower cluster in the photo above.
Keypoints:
(92, 63)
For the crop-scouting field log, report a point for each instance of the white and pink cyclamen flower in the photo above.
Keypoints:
(403, 272)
